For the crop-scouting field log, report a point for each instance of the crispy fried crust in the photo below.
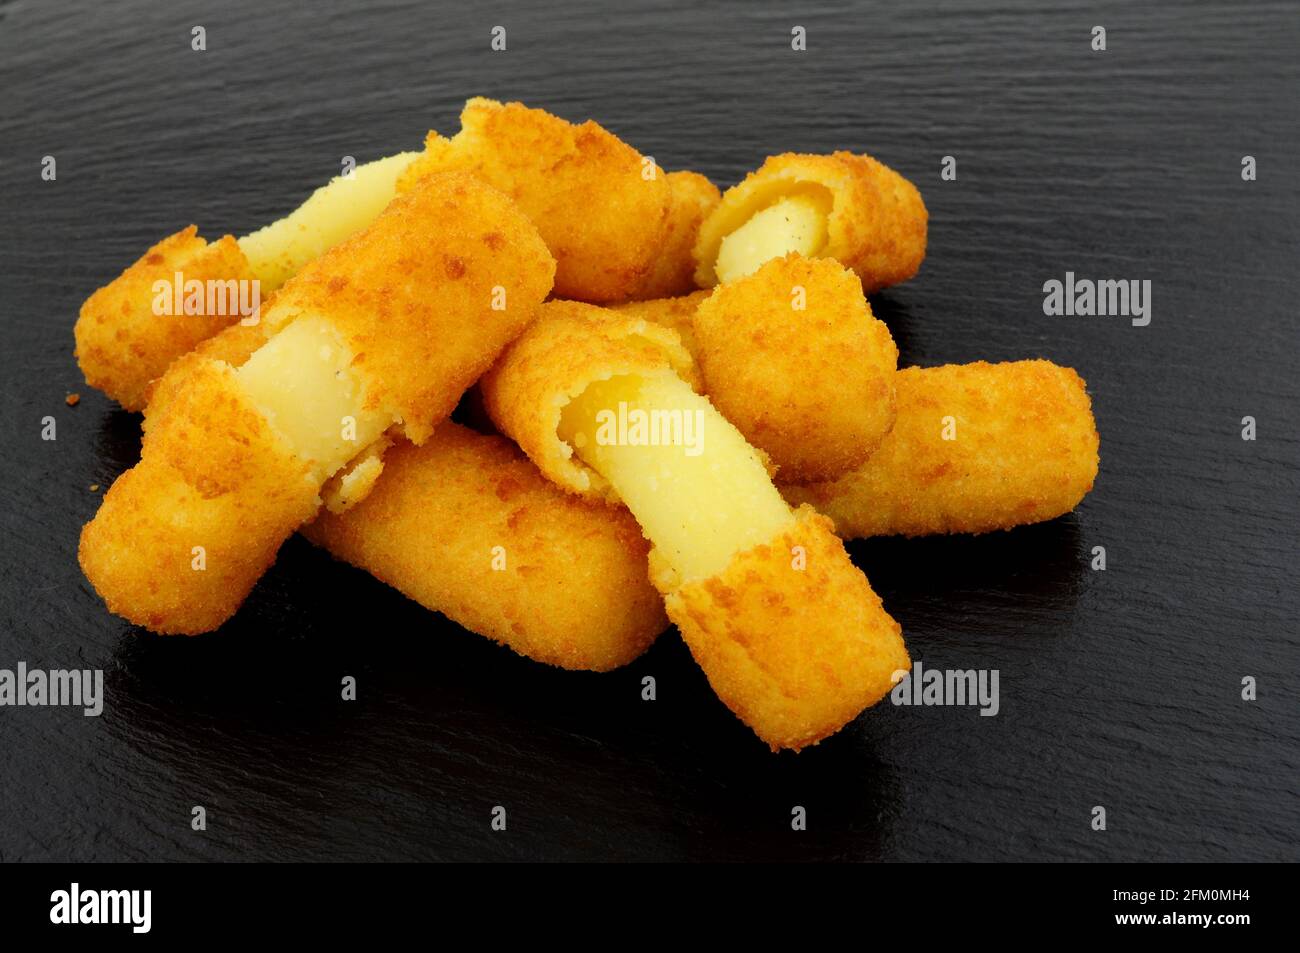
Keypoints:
(570, 346)
(795, 653)
(413, 294)
(233, 346)
(122, 345)
(672, 272)
(813, 388)
(213, 475)
(877, 222)
(574, 591)
(602, 218)
(676, 313)
(1025, 450)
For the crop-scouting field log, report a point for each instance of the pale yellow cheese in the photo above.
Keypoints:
(336, 211)
(701, 494)
(793, 224)
(303, 382)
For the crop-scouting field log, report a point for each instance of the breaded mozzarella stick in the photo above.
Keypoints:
(386, 329)
(123, 339)
(786, 628)
(793, 356)
(574, 588)
(618, 226)
(467, 526)
(975, 447)
(842, 206)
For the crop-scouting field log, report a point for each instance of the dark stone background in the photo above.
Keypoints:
(1119, 688)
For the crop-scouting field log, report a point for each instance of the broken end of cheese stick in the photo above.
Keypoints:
(975, 448)
(123, 343)
(387, 328)
(233, 346)
(604, 210)
(568, 347)
(793, 356)
(334, 212)
(184, 290)
(700, 492)
(429, 295)
(467, 526)
(842, 206)
(703, 497)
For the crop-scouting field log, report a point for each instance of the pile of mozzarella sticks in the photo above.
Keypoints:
(694, 406)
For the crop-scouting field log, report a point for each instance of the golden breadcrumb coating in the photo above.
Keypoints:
(789, 633)
(795, 653)
(233, 346)
(813, 388)
(217, 477)
(122, 345)
(603, 211)
(1024, 450)
(569, 346)
(574, 590)
(877, 221)
(414, 294)
(411, 297)
(672, 272)
(676, 313)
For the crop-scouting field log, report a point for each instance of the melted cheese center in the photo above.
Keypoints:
(794, 224)
(700, 499)
(302, 380)
(336, 211)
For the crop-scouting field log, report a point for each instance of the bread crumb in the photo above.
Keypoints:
(72, 400)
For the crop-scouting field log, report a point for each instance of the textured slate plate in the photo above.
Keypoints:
(1118, 688)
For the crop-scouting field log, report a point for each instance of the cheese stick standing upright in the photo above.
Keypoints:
(130, 330)
(842, 206)
(386, 329)
(788, 631)
(975, 447)
(618, 226)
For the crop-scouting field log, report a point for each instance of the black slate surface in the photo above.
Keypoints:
(1119, 688)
